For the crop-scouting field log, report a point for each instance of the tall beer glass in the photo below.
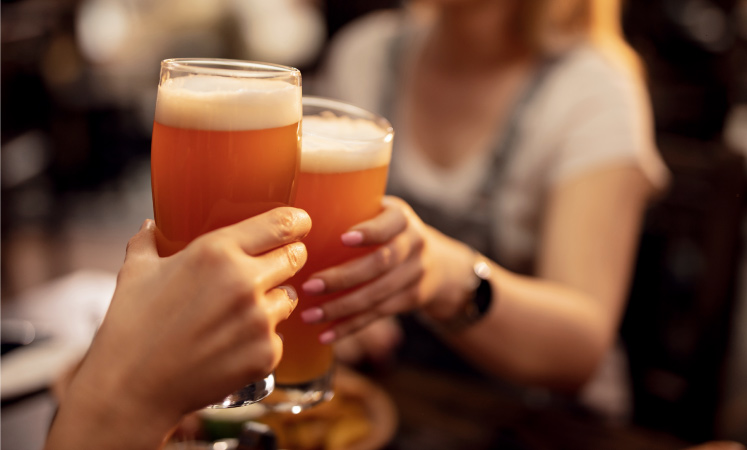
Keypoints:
(225, 147)
(344, 163)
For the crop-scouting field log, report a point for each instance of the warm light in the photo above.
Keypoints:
(103, 26)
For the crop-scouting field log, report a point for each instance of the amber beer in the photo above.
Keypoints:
(225, 147)
(344, 163)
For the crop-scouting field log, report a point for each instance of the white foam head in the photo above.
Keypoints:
(342, 144)
(209, 102)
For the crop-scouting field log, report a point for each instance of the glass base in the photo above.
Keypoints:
(297, 397)
(251, 393)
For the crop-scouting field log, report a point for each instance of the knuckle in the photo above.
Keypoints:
(362, 321)
(264, 358)
(240, 288)
(387, 309)
(341, 279)
(370, 301)
(384, 258)
(414, 296)
(283, 223)
(211, 251)
(295, 255)
(258, 323)
(343, 308)
(419, 269)
(418, 242)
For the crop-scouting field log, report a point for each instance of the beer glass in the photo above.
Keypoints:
(225, 147)
(344, 163)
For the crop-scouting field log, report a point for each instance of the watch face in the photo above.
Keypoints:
(483, 297)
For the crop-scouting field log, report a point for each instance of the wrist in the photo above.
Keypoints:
(88, 423)
(469, 304)
(100, 410)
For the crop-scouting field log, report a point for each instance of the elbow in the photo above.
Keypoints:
(576, 372)
(566, 373)
(577, 377)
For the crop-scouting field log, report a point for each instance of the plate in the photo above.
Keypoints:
(36, 366)
(360, 416)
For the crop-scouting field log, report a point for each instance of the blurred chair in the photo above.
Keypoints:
(678, 322)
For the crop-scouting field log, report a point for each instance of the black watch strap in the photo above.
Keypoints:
(476, 306)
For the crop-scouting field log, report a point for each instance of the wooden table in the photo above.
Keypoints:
(443, 411)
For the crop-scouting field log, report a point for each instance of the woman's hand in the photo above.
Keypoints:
(414, 267)
(184, 331)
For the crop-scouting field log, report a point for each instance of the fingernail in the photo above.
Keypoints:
(352, 238)
(292, 294)
(313, 286)
(327, 337)
(145, 224)
(312, 315)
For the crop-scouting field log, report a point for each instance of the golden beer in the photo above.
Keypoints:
(344, 162)
(223, 150)
(225, 147)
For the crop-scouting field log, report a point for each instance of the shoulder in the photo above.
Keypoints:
(594, 112)
(586, 77)
(588, 90)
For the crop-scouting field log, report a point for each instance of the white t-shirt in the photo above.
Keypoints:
(587, 115)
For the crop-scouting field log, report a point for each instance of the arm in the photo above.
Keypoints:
(169, 342)
(554, 328)
(551, 329)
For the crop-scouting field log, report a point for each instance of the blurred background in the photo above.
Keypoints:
(79, 82)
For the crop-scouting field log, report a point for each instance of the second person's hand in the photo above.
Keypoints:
(408, 271)
(183, 331)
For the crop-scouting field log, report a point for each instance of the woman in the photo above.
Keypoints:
(524, 143)
(170, 341)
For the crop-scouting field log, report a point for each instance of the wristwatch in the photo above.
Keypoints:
(477, 305)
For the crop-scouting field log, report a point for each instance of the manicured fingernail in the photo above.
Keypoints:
(327, 337)
(352, 238)
(290, 292)
(312, 315)
(313, 286)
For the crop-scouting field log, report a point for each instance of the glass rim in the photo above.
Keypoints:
(230, 67)
(348, 108)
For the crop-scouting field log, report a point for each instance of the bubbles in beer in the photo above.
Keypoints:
(209, 102)
(342, 144)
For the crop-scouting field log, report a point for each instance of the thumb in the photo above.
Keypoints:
(143, 244)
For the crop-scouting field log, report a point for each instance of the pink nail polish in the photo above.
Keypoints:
(327, 337)
(352, 238)
(312, 315)
(313, 286)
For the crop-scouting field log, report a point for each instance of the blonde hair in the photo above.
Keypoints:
(549, 24)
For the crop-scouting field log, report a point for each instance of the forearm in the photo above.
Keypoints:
(536, 332)
(80, 423)
(95, 413)
(77, 428)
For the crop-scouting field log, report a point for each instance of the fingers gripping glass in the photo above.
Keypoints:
(344, 164)
(225, 148)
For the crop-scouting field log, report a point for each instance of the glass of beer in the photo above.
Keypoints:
(344, 164)
(225, 147)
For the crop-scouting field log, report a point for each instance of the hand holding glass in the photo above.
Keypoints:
(344, 164)
(225, 148)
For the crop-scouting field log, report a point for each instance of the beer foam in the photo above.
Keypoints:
(209, 102)
(343, 144)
